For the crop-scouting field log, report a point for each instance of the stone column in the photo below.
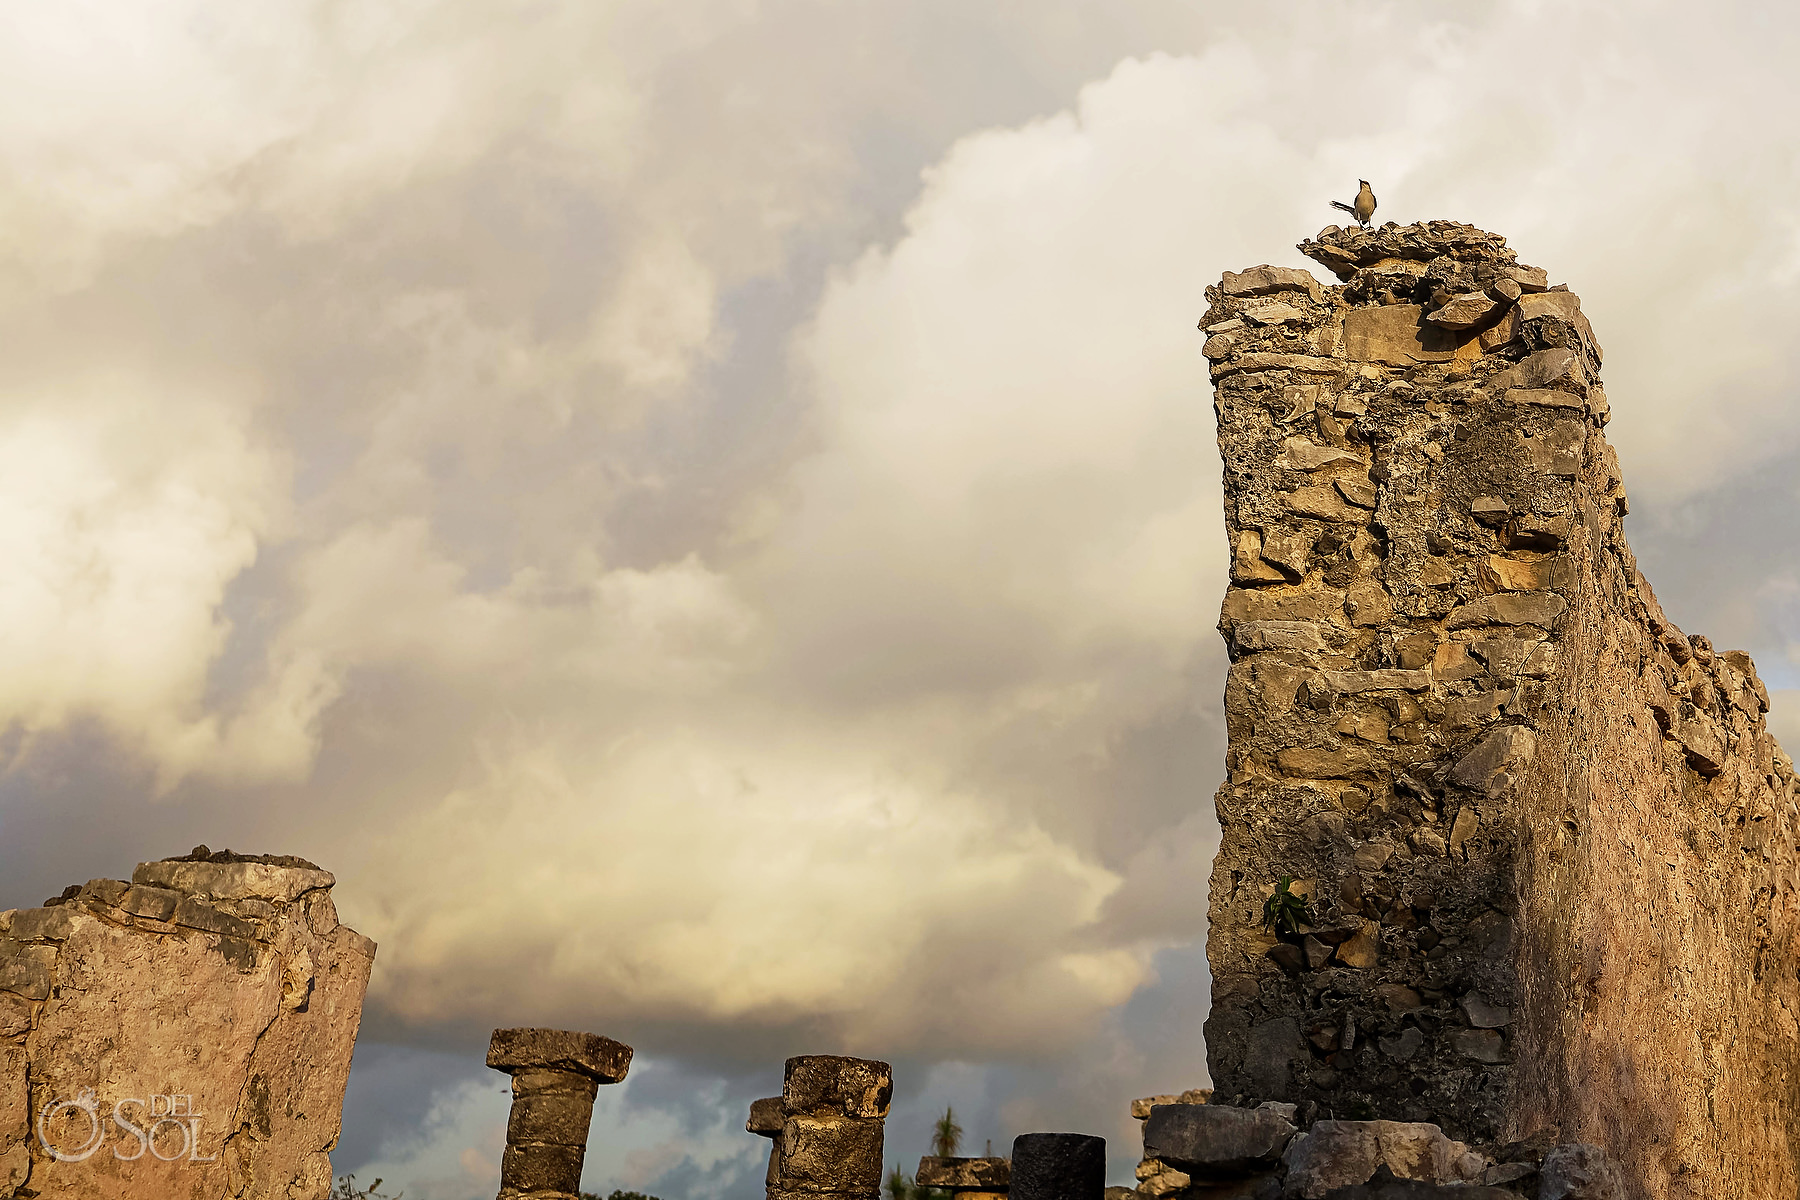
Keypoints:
(969, 1178)
(832, 1111)
(555, 1073)
(1058, 1166)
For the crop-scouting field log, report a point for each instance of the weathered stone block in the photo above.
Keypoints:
(965, 1174)
(556, 1118)
(766, 1117)
(1058, 1166)
(1259, 281)
(1216, 1142)
(1395, 334)
(831, 1154)
(541, 1168)
(233, 880)
(598, 1058)
(1334, 1154)
(824, 1084)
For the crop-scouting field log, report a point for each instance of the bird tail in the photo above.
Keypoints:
(1345, 207)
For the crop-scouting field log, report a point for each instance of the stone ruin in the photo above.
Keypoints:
(556, 1073)
(184, 1034)
(825, 1130)
(1505, 902)
(1544, 841)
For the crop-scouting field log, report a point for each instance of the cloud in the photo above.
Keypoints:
(706, 516)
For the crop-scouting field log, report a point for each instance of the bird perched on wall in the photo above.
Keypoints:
(1364, 206)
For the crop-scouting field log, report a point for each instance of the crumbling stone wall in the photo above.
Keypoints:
(185, 1034)
(1548, 842)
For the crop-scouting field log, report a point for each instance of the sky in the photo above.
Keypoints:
(706, 517)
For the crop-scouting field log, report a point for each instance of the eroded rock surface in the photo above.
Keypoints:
(1547, 840)
(211, 1003)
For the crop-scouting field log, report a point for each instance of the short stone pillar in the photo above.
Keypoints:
(555, 1073)
(1058, 1166)
(969, 1178)
(832, 1111)
(766, 1119)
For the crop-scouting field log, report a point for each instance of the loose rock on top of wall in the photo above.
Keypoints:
(185, 1034)
(1547, 842)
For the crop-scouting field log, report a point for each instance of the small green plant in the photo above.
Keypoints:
(946, 1135)
(345, 1189)
(1284, 911)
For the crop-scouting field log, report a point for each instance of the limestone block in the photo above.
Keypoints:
(1509, 573)
(1502, 332)
(766, 1117)
(599, 1058)
(1395, 334)
(1465, 311)
(830, 1084)
(26, 970)
(1335, 1154)
(1247, 565)
(1288, 549)
(964, 1174)
(15, 1015)
(1303, 636)
(1215, 1142)
(1140, 1108)
(1509, 608)
(1323, 502)
(1299, 454)
(1368, 604)
(1362, 950)
(1384, 679)
(1540, 369)
(233, 880)
(1483, 1015)
(831, 1154)
(1259, 281)
(1309, 763)
(1491, 761)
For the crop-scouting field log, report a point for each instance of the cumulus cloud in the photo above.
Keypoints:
(706, 516)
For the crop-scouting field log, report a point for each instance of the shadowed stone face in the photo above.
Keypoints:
(1523, 806)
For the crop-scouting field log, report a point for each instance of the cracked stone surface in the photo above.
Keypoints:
(1548, 841)
(212, 1001)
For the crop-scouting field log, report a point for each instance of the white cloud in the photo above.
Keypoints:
(683, 568)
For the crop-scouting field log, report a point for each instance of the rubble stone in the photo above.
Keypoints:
(1334, 1154)
(1215, 1142)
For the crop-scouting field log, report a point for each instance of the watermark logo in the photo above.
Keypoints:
(166, 1127)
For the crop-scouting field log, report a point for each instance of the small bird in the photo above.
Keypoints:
(1364, 208)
